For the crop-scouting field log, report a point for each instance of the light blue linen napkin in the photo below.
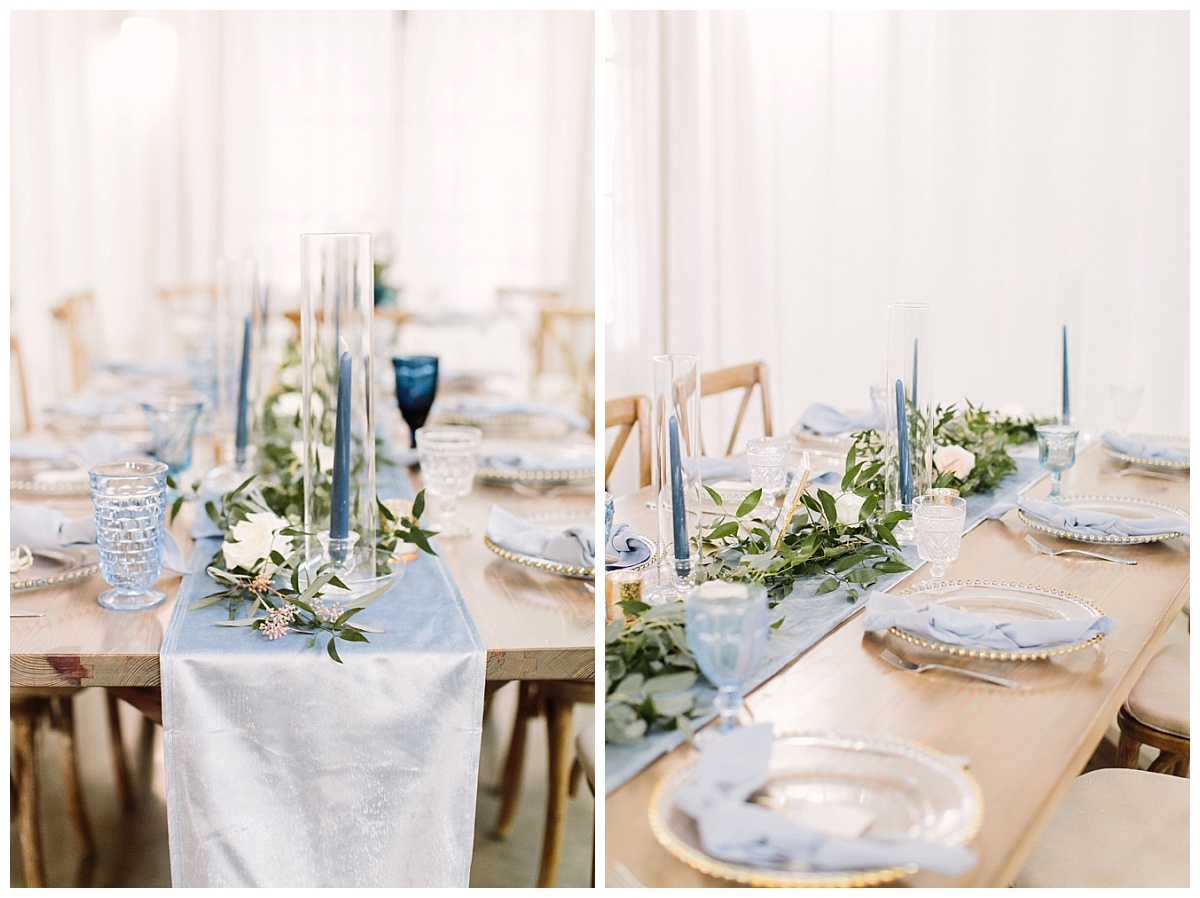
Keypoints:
(575, 546)
(512, 460)
(89, 406)
(1091, 523)
(825, 420)
(630, 549)
(731, 768)
(96, 448)
(1138, 449)
(43, 527)
(950, 626)
(485, 410)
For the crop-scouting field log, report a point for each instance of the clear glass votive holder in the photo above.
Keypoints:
(621, 586)
(172, 421)
(129, 499)
(674, 579)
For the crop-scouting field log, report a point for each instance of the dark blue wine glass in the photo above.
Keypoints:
(416, 387)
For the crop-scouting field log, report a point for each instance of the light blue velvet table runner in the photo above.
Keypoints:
(285, 768)
(807, 618)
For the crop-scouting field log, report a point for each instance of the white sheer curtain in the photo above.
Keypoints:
(143, 151)
(779, 178)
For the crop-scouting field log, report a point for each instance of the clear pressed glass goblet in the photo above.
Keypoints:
(939, 521)
(1056, 453)
(727, 632)
(768, 461)
(416, 388)
(448, 459)
(128, 500)
(1126, 396)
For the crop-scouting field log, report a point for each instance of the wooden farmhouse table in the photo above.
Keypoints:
(1024, 746)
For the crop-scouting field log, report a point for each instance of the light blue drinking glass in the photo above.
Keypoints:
(608, 516)
(727, 632)
(172, 421)
(128, 500)
(1056, 453)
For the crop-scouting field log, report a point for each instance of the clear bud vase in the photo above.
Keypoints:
(676, 430)
(338, 406)
(231, 415)
(908, 465)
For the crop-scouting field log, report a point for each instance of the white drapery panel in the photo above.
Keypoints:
(143, 152)
(803, 170)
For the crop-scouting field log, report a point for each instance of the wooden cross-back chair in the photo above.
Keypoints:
(627, 412)
(18, 374)
(74, 314)
(745, 378)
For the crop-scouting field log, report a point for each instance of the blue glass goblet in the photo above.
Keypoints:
(416, 387)
(727, 631)
(129, 499)
(172, 421)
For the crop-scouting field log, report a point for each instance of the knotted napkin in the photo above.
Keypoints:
(1091, 523)
(731, 768)
(575, 546)
(629, 548)
(1138, 449)
(825, 420)
(94, 449)
(43, 527)
(950, 626)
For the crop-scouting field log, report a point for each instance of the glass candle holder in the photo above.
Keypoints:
(676, 432)
(229, 416)
(908, 421)
(129, 499)
(337, 390)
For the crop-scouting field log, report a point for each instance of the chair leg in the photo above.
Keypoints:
(64, 721)
(558, 731)
(24, 725)
(576, 776)
(514, 761)
(117, 744)
(1127, 751)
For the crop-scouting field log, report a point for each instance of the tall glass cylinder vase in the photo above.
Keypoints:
(230, 418)
(338, 404)
(908, 448)
(676, 429)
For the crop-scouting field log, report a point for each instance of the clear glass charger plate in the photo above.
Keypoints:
(1123, 506)
(649, 543)
(1002, 602)
(1175, 442)
(549, 520)
(39, 476)
(52, 567)
(577, 465)
(913, 792)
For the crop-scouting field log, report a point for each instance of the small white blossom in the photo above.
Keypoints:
(849, 507)
(955, 459)
(253, 540)
(324, 454)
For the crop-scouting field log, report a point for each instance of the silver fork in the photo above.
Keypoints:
(905, 664)
(618, 876)
(1046, 550)
(1141, 472)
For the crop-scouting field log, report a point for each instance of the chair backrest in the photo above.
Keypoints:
(73, 313)
(744, 378)
(17, 367)
(625, 412)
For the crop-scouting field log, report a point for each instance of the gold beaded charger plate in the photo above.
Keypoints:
(1002, 602)
(906, 790)
(550, 520)
(649, 544)
(54, 566)
(1183, 444)
(573, 464)
(1122, 506)
(38, 476)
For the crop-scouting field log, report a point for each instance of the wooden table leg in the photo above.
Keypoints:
(24, 719)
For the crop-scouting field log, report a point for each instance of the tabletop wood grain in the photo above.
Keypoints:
(1025, 747)
(534, 625)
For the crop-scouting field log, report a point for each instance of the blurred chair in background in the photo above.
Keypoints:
(16, 364)
(745, 378)
(75, 316)
(625, 413)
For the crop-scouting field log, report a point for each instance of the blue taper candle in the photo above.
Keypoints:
(243, 388)
(905, 460)
(678, 510)
(1066, 389)
(339, 518)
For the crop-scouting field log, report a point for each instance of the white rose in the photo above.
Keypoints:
(955, 459)
(287, 405)
(849, 507)
(290, 376)
(401, 508)
(324, 454)
(254, 539)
